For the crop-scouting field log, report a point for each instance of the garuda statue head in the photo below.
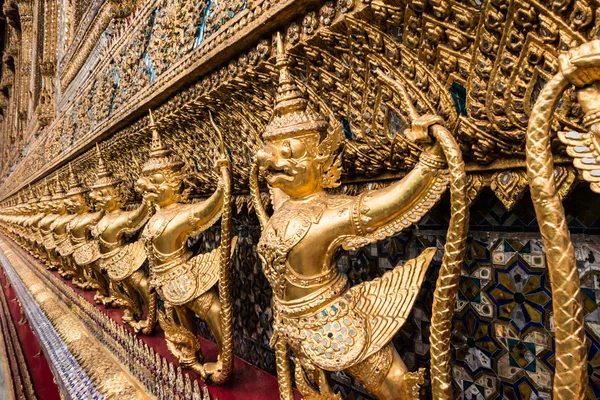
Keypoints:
(58, 199)
(45, 202)
(300, 156)
(162, 174)
(77, 201)
(106, 192)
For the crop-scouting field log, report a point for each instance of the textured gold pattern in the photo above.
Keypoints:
(400, 101)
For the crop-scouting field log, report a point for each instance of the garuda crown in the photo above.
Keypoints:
(60, 191)
(104, 176)
(75, 187)
(291, 118)
(46, 194)
(161, 157)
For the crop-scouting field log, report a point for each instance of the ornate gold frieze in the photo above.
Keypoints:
(245, 22)
(94, 23)
(333, 72)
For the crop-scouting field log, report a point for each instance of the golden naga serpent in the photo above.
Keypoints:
(282, 351)
(446, 289)
(580, 67)
(224, 273)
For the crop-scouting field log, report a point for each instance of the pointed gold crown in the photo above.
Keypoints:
(33, 198)
(46, 194)
(291, 118)
(75, 187)
(161, 156)
(104, 176)
(60, 191)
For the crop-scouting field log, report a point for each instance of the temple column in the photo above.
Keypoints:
(26, 17)
(47, 107)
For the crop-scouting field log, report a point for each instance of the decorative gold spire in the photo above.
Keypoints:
(104, 175)
(161, 156)
(291, 118)
(75, 187)
(33, 196)
(157, 147)
(60, 191)
(47, 194)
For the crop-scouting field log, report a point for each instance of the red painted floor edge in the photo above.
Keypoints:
(247, 382)
(39, 370)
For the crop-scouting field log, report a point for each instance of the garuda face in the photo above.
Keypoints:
(108, 198)
(160, 187)
(292, 165)
(77, 204)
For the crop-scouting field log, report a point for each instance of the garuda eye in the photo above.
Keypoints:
(286, 150)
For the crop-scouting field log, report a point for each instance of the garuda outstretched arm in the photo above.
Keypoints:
(137, 218)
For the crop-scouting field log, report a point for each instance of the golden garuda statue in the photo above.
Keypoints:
(16, 218)
(44, 209)
(56, 209)
(329, 325)
(78, 248)
(122, 262)
(34, 207)
(60, 233)
(184, 281)
(27, 212)
(19, 212)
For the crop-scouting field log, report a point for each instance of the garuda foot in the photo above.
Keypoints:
(412, 383)
(82, 284)
(106, 301)
(77, 283)
(199, 369)
(143, 327)
(65, 274)
(128, 318)
(98, 298)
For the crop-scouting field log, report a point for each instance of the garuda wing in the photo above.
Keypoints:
(386, 302)
(206, 267)
(585, 150)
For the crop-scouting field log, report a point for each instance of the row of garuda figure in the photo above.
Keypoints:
(326, 323)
